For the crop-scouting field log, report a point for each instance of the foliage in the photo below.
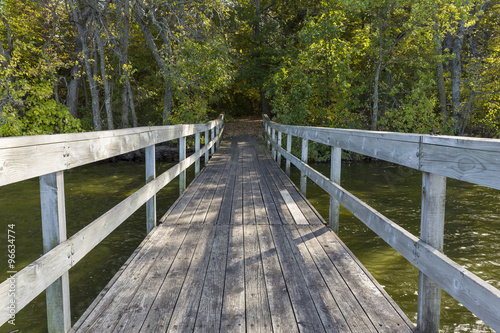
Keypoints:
(333, 63)
(28, 72)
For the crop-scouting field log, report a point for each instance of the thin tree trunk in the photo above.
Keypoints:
(96, 117)
(456, 74)
(375, 110)
(167, 97)
(105, 82)
(132, 105)
(125, 15)
(440, 74)
(73, 91)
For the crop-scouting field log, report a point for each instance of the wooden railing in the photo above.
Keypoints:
(469, 159)
(47, 157)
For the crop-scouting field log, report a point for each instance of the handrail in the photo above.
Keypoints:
(53, 155)
(468, 159)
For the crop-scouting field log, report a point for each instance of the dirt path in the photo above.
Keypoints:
(241, 126)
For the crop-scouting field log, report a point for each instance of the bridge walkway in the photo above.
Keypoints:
(243, 251)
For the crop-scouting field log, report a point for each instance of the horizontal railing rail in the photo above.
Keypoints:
(48, 156)
(469, 159)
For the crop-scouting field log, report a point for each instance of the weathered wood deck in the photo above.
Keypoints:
(243, 251)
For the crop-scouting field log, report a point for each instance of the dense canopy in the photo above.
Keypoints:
(426, 66)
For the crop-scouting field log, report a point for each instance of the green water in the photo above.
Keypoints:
(90, 191)
(472, 232)
(472, 236)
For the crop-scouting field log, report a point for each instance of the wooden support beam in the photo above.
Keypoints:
(335, 166)
(303, 177)
(213, 136)
(217, 131)
(197, 144)
(182, 157)
(279, 144)
(207, 153)
(53, 210)
(273, 136)
(288, 149)
(431, 232)
(150, 176)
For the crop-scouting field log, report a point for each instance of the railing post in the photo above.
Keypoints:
(213, 147)
(335, 167)
(206, 145)
(279, 144)
(197, 140)
(431, 232)
(274, 139)
(150, 176)
(266, 129)
(217, 131)
(182, 157)
(54, 232)
(303, 177)
(289, 150)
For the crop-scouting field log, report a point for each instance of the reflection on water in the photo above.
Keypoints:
(472, 232)
(90, 191)
(472, 236)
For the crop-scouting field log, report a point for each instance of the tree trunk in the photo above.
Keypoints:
(96, 117)
(456, 74)
(440, 74)
(375, 110)
(105, 82)
(160, 61)
(73, 91)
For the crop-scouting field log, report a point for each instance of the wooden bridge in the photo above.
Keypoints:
(242, 250)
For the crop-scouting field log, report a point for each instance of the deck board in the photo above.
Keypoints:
(231, 255)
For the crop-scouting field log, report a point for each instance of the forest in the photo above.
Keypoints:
(420, 66)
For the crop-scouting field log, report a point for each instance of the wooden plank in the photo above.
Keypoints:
(337, 307)
(37, 276)
(213, 203)
(303, 177)
(335, 168)
(431, 232)
(400, 148)
(237, 215)
(312, 216)
(182, 157)
(53, 209)
(186, 308)
(463, 163)
(258, 316)
(374, 302)
(27, 157)
(288, 149)
(294, 209)
(210, 309)
(248, 204)
(268, 200)
(306, 315)
(150, 175)
(123, 290)
(282, 315)
(197, 145)
(233, 308)
(257, 197)
(275, 189)
(175, 211)
(226, 207)
(474, 293)
(129, 303)
(110, 284)
(180, 274)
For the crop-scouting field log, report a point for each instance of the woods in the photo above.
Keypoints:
(409, 66)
